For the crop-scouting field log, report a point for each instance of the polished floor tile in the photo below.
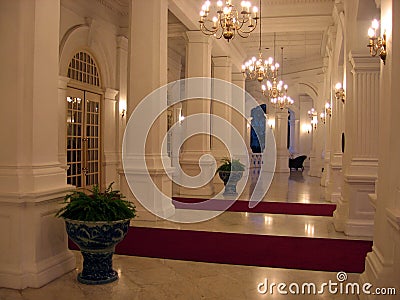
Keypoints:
(257, 223)
(161, 279)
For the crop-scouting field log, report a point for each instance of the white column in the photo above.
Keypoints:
(282, 153)
(238, 101)
(355, 214)
(293, 133)
(62, 109)
(110, 120)
(33, 243)
(198, 64)
(147, 60)
(222, 69)
(382, 266)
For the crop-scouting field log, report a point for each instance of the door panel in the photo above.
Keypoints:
(83, 138)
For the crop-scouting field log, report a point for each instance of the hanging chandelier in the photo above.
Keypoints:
(276, 90)
(258, 68)
(228, 19)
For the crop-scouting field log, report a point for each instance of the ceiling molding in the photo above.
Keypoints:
(296, 23)
(120, 7)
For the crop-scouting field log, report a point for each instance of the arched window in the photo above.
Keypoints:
(83, 68)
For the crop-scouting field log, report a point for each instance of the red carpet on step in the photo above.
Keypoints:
(246, 249)
(311, 209)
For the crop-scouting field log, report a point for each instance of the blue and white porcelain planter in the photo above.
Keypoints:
(97, 241)
(230, 179)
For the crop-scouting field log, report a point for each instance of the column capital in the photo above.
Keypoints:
(222, 61)
(122, 42)
(196, 36)
(110, 94)
(281, 113)
(237, 76)
(364, 62)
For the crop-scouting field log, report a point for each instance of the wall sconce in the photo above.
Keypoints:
(271, 123)
(313, 115)
(122, 107)
(306, 128)
(314, 122)
(322, 116)
(377, 44)
(181, 118)
(328, 110)
(339, 92)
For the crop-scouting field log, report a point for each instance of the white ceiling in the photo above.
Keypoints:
(298, 25)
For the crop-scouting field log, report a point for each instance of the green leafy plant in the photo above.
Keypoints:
(97, 206)
(230, 165)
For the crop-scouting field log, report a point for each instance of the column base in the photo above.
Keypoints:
(152, 206)
(34, 242)
(354, 227)
(191, 166)
(282, 164)
(340, 215)
(315, 170)
(378, 273)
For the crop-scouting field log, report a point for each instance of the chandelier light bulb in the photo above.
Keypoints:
(338, 86)
(263, 87)
(219, 3)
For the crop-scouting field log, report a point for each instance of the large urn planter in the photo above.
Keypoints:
(230, 180)
(96, 222)
(97, 241)
(230, 172)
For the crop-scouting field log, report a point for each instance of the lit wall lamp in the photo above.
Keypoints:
(313, 115)
(306, 128)
(328, 109)
(339, 92)
(271, 123)
(322, 116)
(122, 108)
(327, 113)
(377, 44)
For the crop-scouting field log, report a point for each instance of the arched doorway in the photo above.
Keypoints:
(83, 121)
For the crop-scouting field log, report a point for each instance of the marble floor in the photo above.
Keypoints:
(150, 278)
(162, 279)
(294, 187)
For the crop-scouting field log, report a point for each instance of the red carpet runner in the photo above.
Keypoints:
(246, 249)
(310, 209)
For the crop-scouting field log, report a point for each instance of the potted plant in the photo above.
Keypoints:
(96, 222)
(231, 171)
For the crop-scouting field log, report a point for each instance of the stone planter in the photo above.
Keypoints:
(97, 241)
(230, 179)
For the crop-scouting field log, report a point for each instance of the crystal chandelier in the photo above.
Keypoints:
(228, 19)
(258, 68)
(276, 90)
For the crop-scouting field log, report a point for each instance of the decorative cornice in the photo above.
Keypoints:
(291, 2)
(119, 7)
(364, 62)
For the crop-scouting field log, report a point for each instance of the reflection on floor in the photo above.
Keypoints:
(150, 278)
